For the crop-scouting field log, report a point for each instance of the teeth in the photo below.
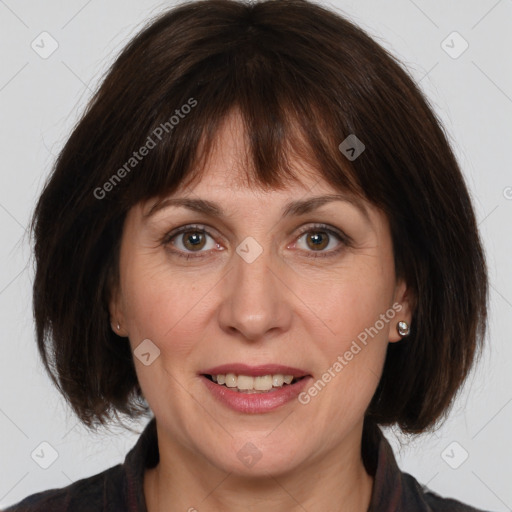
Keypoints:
(277, 380)
(288, 379)
(247, 383)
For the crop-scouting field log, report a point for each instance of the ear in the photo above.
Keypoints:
(116, 310)
(403, 304)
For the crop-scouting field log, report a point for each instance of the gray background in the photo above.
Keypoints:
(40, 100)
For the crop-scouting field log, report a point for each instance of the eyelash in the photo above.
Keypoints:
(344, 239)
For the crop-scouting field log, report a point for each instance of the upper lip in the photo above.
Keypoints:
(255, 371)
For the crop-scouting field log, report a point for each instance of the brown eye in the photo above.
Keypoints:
(317, 240)
(320, 241)
(193, 240)
(189, 240)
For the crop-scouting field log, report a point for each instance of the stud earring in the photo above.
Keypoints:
(117, 326)
(403, 328)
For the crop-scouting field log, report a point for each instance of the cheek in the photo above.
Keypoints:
(351, 301)
(162, 305)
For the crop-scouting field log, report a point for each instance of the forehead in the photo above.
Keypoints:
(229, 171)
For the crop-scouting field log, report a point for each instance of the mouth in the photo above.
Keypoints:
(254, 379)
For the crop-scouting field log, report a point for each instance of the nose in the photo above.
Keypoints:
(255, 298)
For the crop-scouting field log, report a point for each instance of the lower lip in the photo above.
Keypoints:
(256, 403)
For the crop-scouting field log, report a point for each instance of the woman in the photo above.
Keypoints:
(265, 241)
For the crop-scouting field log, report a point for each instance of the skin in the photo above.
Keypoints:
(285, 308)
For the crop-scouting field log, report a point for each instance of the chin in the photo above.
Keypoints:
(257, 458)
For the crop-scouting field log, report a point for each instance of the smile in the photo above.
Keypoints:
(249, 384)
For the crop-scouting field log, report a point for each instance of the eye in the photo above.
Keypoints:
(319, 237)
(190, 239)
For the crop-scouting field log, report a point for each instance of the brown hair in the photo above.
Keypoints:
(303, 78)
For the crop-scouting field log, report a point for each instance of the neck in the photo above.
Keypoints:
(335, 480)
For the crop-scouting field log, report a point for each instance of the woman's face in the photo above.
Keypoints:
(248, 290)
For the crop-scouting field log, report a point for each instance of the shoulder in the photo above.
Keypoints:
(433, 502)
(85, 495)
(397, 491)
(119, 488)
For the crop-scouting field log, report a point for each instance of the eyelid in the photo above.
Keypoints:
(183, 229)
(325, 227)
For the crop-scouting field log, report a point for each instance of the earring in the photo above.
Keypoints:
(117, 326)
(403, 328)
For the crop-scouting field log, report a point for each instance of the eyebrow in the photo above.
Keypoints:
(298, 207)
